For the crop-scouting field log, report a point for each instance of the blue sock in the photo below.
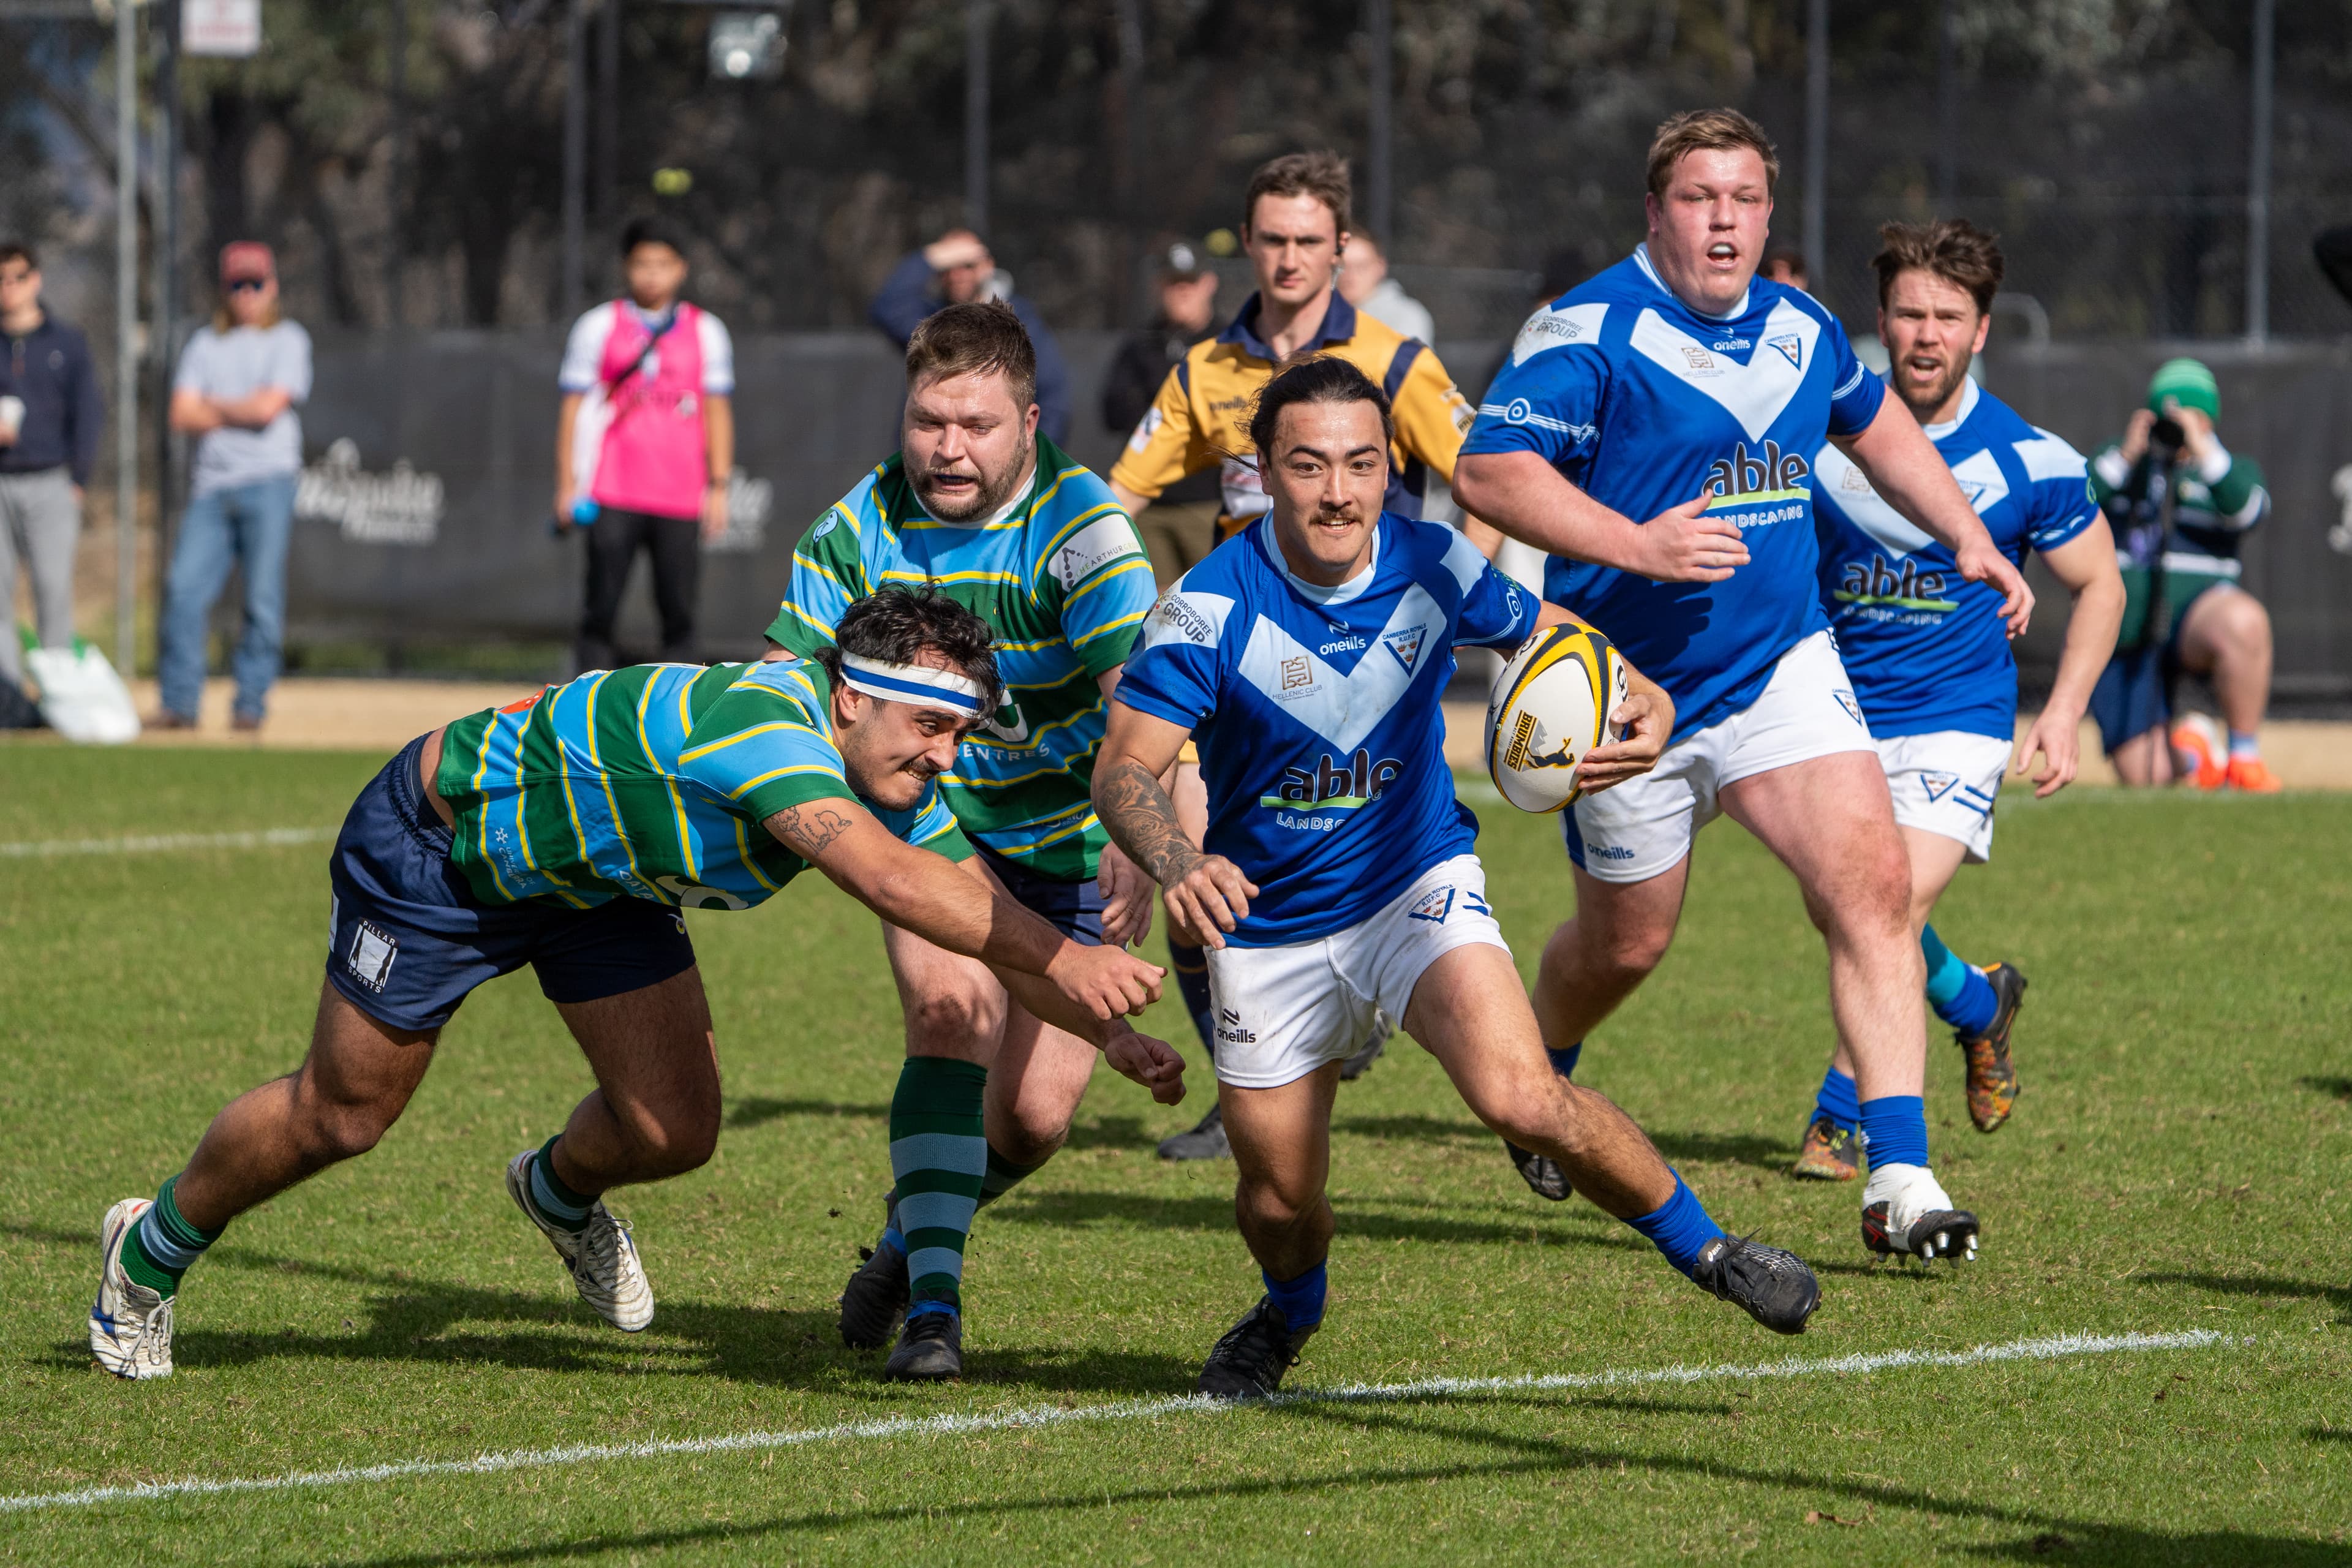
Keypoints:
(1563, 1061)
(1959, 992)
(1678, 1227)
(1838, 1100)
(2244, 744)
(1191, 967)
(1299, 1301)
(1895, 1129)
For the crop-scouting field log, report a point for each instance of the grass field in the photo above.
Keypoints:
(2179, 1161)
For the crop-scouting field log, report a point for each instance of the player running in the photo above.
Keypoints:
(1926, 650)
(1679, 388)
(1295, 230)
(566, 831)
(1309, 656)
(994, 514)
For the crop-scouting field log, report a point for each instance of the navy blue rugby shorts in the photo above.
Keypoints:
(410, 940)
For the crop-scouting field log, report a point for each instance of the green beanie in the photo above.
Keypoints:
(2188, 383)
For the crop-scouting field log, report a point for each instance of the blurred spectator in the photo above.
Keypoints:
(50, 413)
(236, 391)
(644, 442)
(955, 270)
(1181, 526)
(2181, 504)
(1365, 283)
(1786, 264)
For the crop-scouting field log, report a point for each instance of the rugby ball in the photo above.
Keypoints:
(1550, 707)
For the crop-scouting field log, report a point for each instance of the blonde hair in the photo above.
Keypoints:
(225, 319)
(1708, 130)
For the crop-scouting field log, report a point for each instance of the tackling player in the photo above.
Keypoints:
(980, 504)
(1652, 432)
(566, 831)
(1295, 230)
(1309, 656)
(1926, 650)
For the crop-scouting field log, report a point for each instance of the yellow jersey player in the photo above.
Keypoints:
(1295, 230)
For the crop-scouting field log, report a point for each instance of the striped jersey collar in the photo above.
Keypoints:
(1969, 393)
(1338, 326)
(1641, 260)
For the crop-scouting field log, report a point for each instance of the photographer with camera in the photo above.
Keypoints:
(2180, 504)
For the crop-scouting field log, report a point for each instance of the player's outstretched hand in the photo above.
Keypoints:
(1208, 901)
(1108, 982)
(1126, 899)
(1152, 1063)
(1646, 718)
(1682, 544)
(2058, 737)
(1981, 560)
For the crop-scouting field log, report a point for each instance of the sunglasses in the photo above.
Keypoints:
(248, 286)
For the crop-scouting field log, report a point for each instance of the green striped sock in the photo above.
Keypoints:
(164, 1245)
(938, 1153)
(1002, 1176)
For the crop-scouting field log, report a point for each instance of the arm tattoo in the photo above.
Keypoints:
(1142, 818)
(808, 836)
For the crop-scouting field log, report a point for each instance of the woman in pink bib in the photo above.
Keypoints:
(644, 442)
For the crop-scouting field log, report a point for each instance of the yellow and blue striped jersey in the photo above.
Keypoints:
(1060, 577)
(652, 782)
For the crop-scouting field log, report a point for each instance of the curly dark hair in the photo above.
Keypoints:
(1324, 378)
(894, 624)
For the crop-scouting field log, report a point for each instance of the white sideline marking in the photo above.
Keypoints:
(268, 838)
(2046, 1349)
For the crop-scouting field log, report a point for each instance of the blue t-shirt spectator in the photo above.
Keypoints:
(237, 363)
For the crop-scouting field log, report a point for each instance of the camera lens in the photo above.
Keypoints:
(2168, 433)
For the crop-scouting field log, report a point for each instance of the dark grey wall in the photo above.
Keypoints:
(816, 410)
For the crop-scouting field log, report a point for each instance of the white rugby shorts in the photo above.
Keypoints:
(1945, 784)
(1644, 826)
(1282, 1012)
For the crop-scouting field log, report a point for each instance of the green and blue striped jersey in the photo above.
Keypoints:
(1061, 578)
(653, 783)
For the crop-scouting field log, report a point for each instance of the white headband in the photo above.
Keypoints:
(914, 683)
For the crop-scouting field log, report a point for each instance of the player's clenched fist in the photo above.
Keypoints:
(1152, 1063)
(1682, 544)
(1108, 982)
(1210, 898)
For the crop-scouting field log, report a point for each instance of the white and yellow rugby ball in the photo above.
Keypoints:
(1550, 707)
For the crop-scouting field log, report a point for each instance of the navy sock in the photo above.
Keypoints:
(1191, 966)
(1563, 1061)
(1959, 992)
(1679, 1227)
(1299, 1301)
(1838, 1100)
(1895, 1129)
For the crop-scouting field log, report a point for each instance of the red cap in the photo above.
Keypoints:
(247, 258)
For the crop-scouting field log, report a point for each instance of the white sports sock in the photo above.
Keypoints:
(1908, 1191)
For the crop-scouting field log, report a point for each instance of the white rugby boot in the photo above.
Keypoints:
(129, 1325)
(1906, 1212)
(602, 1259)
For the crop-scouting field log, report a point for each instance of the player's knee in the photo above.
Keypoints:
(344, 1129)
(1629, 951)
(1272, 1204)
(2245, 625)
(948, 1025)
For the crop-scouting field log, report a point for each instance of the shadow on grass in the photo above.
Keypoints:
(2334, 1088)
(2038, 1535)
(1216, 1215)
(2337, 1296)
(759, 1110)
(1725, 1147)
(392, 1317)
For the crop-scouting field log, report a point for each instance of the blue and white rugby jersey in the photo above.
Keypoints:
(1642, 403)
(1318, 714)
(1926, 648)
